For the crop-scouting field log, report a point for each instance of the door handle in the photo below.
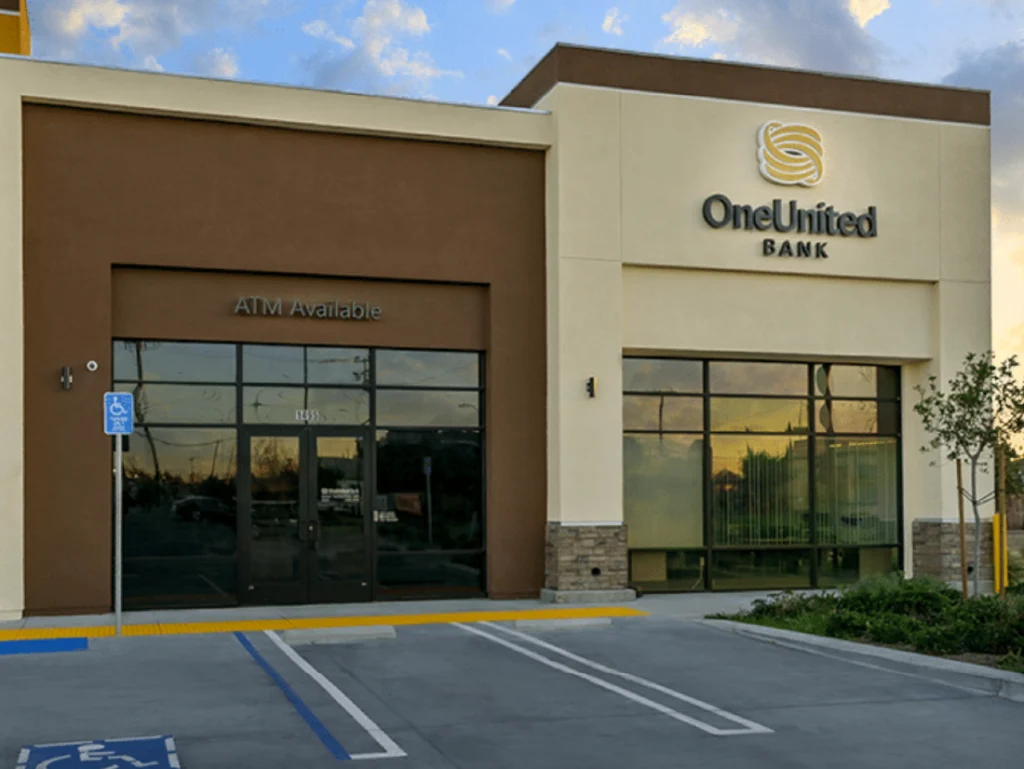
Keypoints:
(312, 529)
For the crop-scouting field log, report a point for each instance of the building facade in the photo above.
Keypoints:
(654, 324)
(14, 28)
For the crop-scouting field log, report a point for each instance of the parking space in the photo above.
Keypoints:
(664, 692)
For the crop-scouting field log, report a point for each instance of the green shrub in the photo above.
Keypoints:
(789, 605)
(843, 623)
(893, 629)
(1015, 567)
(944, 638)
(922, 598)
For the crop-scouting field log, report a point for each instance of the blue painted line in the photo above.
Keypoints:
(308, 715)
(44, 646)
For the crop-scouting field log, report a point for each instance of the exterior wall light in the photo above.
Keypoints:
(592, 387)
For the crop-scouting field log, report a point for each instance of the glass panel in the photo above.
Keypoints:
(759, 415)
(660, 375)
(760, 569)
(856, 381)
(664, 490)
(338, 365)
(274, 469)
(299, 405)
(429, 490)
(273, 364)
(341, 549)
(741, 378)
(665, 571)
(437, 575)
(856, 495)
(428, 408)
(174, 361)
(178, 404)
(424, 368)
(180, 532)
(760, 490)
(660, 412)
(858, 417)
(847, 565)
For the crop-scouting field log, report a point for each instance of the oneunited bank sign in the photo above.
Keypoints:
(791, 155)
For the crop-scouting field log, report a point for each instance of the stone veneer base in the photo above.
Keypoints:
(586, 557)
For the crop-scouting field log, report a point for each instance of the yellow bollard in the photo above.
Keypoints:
(997, 552)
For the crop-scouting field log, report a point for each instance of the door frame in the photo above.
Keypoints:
(301, 590)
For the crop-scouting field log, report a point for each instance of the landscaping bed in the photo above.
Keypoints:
(920, 615)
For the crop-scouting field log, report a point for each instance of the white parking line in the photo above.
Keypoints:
(749, 727)
(391, 749)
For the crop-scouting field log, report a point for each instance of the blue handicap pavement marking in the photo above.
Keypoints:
(131, 753)
(118, 413)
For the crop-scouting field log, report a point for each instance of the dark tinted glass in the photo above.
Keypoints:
(174, 361)
(429, 490)
(847, 565)
(857, 490)
(742, 378)
(182, 404)
(858, 417)
(180, 518)
(663, 490)
(843, 381)
(338, 365)
(428, 408)
(667, 570)
(273, 364)
(759, 415)
(660, 412)
(436, 575)
(760, 490)
(274, 476)
(660, 375)
(760, 569)
(422, 368)
(299, 405)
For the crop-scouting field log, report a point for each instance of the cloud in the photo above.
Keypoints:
(504, 54)
(492, 100)
(500, 6)
(218, 63)
(613, 20)
(374, 56)
(821, 35)
(866, 10)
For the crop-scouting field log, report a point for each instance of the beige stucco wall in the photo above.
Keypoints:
(636, 268)
(27, 80)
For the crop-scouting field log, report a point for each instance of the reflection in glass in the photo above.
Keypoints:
(338, 365)
(174, 361)
(287, 405)
(425, 368)
(340, 547)
(273, 364)
(274, 475)
(437, 575)
(662, 412)
(663, 494)
(847, 565)
(742, 378)
(760, 490)
(429, 490)
(857, 417)
(181, 404)
(842, 381)
(759, 415)
(667, 570)
(428, 408)
(180, 518)
(661, 375)
(761, 569)
(857, 491)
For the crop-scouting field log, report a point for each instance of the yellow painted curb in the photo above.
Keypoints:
(315, 623)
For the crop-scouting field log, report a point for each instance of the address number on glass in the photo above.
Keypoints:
(385, 516)
(308, 415)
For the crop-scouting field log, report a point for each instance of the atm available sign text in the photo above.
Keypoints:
(720, 212)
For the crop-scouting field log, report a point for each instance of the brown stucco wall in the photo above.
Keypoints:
(103, 191)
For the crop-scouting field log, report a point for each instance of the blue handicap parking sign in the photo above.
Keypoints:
(131, 753)
(118, 413)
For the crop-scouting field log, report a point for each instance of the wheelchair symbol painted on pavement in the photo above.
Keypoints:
(135, 753)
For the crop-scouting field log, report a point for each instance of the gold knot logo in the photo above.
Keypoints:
(791, 154)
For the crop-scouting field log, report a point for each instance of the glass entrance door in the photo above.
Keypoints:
(304, 515)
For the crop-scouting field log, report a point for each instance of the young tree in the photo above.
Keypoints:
(982, 409)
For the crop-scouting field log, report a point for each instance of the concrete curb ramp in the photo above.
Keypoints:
(1000, 683)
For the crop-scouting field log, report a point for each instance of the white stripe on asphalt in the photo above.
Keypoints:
(750, 726)
(391, 749)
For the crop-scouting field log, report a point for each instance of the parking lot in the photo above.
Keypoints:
(642, 691)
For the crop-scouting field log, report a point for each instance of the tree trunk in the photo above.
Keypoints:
(977, 526)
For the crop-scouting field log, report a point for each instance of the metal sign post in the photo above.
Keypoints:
(119, 421)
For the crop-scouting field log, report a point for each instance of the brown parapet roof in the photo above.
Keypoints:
(749, 83)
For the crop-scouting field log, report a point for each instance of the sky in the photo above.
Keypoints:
(475, 51)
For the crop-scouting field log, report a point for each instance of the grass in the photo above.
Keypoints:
(920, 615)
